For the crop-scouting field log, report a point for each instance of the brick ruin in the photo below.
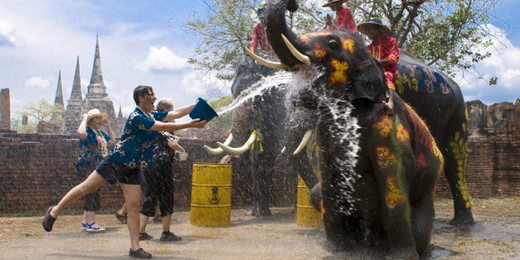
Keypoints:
(37, 169)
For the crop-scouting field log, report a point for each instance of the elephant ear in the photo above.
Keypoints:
(368, 82)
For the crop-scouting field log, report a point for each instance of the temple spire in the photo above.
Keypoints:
(120, 115)
(75, 95)
(58, 100)
(96, 88)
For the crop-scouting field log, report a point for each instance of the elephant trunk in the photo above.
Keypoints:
(277, 26)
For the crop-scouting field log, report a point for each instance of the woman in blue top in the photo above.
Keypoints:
(93, 146)
(133, 151)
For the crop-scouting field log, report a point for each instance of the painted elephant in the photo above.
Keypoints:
(434, 96)
(259, 123)
(377, 170)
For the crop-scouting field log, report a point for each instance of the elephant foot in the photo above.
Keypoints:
(462, 221)
(402, 254)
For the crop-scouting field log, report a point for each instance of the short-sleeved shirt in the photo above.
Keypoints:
(93, 149)
(344, 20)
(136, 146)
(161, 148)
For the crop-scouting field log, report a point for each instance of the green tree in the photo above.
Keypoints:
(443, 33)
(224, 120)
(39, 111)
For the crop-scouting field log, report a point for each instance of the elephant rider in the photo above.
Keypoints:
(383, 48)
(344, 19)
(260, 35)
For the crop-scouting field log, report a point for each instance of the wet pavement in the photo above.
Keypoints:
(247, 237)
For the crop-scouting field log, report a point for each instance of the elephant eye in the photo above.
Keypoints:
(334, 44)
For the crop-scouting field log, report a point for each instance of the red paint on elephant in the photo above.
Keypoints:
(420, 162)
(421, 131)
(320, 52)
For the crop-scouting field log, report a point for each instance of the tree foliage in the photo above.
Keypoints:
(224, 120)
(36, 112)
(447, 34)
(444, 33)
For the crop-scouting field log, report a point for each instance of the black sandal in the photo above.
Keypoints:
(121, 218)
(140, 253)
(48, 220)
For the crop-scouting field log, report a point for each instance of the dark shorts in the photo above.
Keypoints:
(113, 172)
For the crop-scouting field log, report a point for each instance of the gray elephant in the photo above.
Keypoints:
(377, 170)
(434, 96)
(258, 123)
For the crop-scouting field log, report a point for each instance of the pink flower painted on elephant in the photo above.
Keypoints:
(394, 194)
(385, 157)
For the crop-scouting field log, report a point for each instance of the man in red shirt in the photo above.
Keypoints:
(260, 36)
(383, 48)
(344, 19)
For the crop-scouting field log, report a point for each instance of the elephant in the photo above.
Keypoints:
(378, 170)
(265, 114)
(435, 97)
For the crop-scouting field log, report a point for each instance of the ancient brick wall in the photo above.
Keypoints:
(37, 170)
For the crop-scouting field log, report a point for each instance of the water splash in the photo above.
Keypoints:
(279, 79)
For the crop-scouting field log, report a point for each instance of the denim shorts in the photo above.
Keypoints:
(113, 172)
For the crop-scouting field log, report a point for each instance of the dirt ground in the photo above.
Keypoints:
(495, 236)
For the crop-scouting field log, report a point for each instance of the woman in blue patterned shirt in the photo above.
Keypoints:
(122, 165)
(93, 145)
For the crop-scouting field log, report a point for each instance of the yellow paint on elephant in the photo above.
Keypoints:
(348, 44)
(320, 52)
(394, 194)
(402, 134)
(305, 39)
(403, 81)
(385, 157)
(339, 75)
(385, 125)
(459, 145)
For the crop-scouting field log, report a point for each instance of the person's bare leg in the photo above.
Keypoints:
(166, 220)
(122, 210)
(132, 194)
(93, 182)
(144, 220)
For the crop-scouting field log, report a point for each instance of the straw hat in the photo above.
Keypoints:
(333, 1)
(95, 113)
(363, 28)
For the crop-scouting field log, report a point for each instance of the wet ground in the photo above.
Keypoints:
(495, 236)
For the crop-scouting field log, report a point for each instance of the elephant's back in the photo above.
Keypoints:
(432, 94)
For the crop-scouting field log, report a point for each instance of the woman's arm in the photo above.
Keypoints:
(82, 128)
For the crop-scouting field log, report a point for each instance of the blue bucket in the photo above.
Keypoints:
(203, 111)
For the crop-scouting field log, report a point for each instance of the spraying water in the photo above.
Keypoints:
(279, 79)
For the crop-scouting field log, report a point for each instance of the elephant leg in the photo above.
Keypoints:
(455, 156)
(262, 185)
(422, 222)
(343, 232)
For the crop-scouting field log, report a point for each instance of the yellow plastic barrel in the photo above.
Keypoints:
(211, 195)
(306, 215)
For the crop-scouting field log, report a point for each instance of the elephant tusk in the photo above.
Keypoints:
(303, 143)
(218, 150)
(297, 54)
(240, 150)
(283, 150)
(267, 63)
